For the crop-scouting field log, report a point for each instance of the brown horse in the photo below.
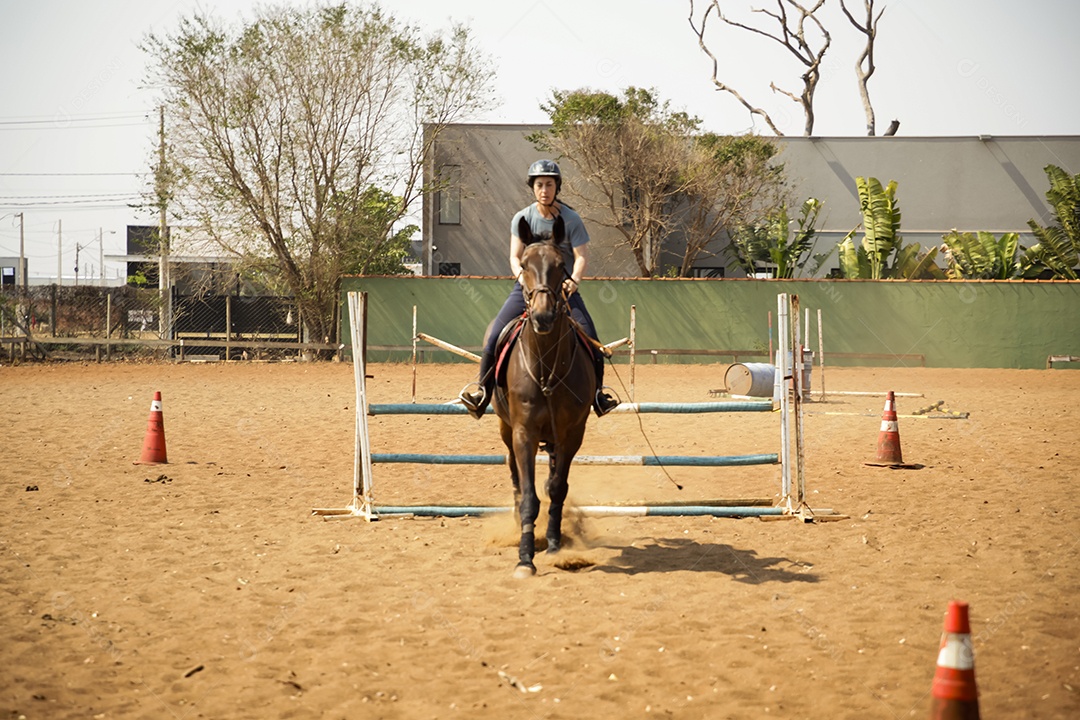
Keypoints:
(550, 383)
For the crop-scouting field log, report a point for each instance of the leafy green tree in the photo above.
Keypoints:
(301, 136)
(881, 241)
(981, 256)
(733, 181)
(649, 173)
(775, 241)
(629, 153)
(1058, 249)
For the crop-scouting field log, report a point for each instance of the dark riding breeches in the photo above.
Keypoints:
(515, 306)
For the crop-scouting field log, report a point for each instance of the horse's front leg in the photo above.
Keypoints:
(507, 433)
(558, 484)
(528, 505)
(557, 487)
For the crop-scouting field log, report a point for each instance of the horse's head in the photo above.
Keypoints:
(543, 270)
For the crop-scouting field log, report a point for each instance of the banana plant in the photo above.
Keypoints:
(881, 239)
(981, 256)
(1058, 249)
(881, 231)
(774, 242)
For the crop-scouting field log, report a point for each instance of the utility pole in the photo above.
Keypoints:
(164, 284)
(24, 305)
(22, 254)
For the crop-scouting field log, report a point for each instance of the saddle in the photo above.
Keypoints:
(508, 337)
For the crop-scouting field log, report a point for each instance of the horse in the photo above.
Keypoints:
(550, 384)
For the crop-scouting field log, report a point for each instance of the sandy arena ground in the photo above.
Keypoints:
(205, 588)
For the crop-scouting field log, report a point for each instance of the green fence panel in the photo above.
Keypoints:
(888, 323)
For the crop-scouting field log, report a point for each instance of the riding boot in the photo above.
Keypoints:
(476, 401)
(603, 403)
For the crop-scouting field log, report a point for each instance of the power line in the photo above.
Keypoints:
(71, 174)
(52, 120)
(62, 197)
(10, 126)
(75, 204)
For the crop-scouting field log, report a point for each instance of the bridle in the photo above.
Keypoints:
(560, 307)
(558, 300)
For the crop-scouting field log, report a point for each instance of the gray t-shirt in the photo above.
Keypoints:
(576, 235)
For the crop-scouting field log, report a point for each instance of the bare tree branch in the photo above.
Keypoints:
(864, 66)
(792, 37)
(715, 67)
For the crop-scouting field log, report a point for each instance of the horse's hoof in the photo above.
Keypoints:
(553, 549)
(522, 572)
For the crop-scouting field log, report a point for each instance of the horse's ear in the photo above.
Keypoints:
(524, 231)
(558, 230)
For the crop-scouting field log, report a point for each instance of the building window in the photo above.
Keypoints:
(764, 271)
(708, 272)
(446, 268)
(450, 195)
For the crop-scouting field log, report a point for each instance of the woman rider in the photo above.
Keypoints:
(545, 180)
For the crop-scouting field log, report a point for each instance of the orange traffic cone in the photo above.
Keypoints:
(888, 444)
(153, 452)
(955, 696)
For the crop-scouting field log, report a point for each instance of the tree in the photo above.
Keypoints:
(732, 182)
(807, 44)
(300, 137)
(629, 152)
(864, 66)
(649, 174)
(1058, 249)
(801, 30)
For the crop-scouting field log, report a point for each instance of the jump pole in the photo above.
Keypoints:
(447, 346)
(588, 510)
(821, 354)
(414, 353)
(633, 347)
(454, 408)
(362, 502)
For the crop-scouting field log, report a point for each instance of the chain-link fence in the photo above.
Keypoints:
(125, 322)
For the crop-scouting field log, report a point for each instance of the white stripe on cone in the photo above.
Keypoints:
(155, 406)
(956, 653)
(889, 426)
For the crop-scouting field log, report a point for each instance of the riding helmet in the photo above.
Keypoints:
(545, 168)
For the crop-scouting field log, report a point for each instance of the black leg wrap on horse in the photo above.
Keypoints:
(554, 530)
(527, 550)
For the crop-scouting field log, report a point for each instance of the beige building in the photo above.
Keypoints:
(966, 183)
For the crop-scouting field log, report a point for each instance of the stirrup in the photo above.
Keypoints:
(604, 402)
(475, 402)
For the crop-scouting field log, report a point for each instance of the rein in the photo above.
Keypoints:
(547, 385)
(562, 312)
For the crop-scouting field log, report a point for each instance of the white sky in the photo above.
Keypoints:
(77, 132)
